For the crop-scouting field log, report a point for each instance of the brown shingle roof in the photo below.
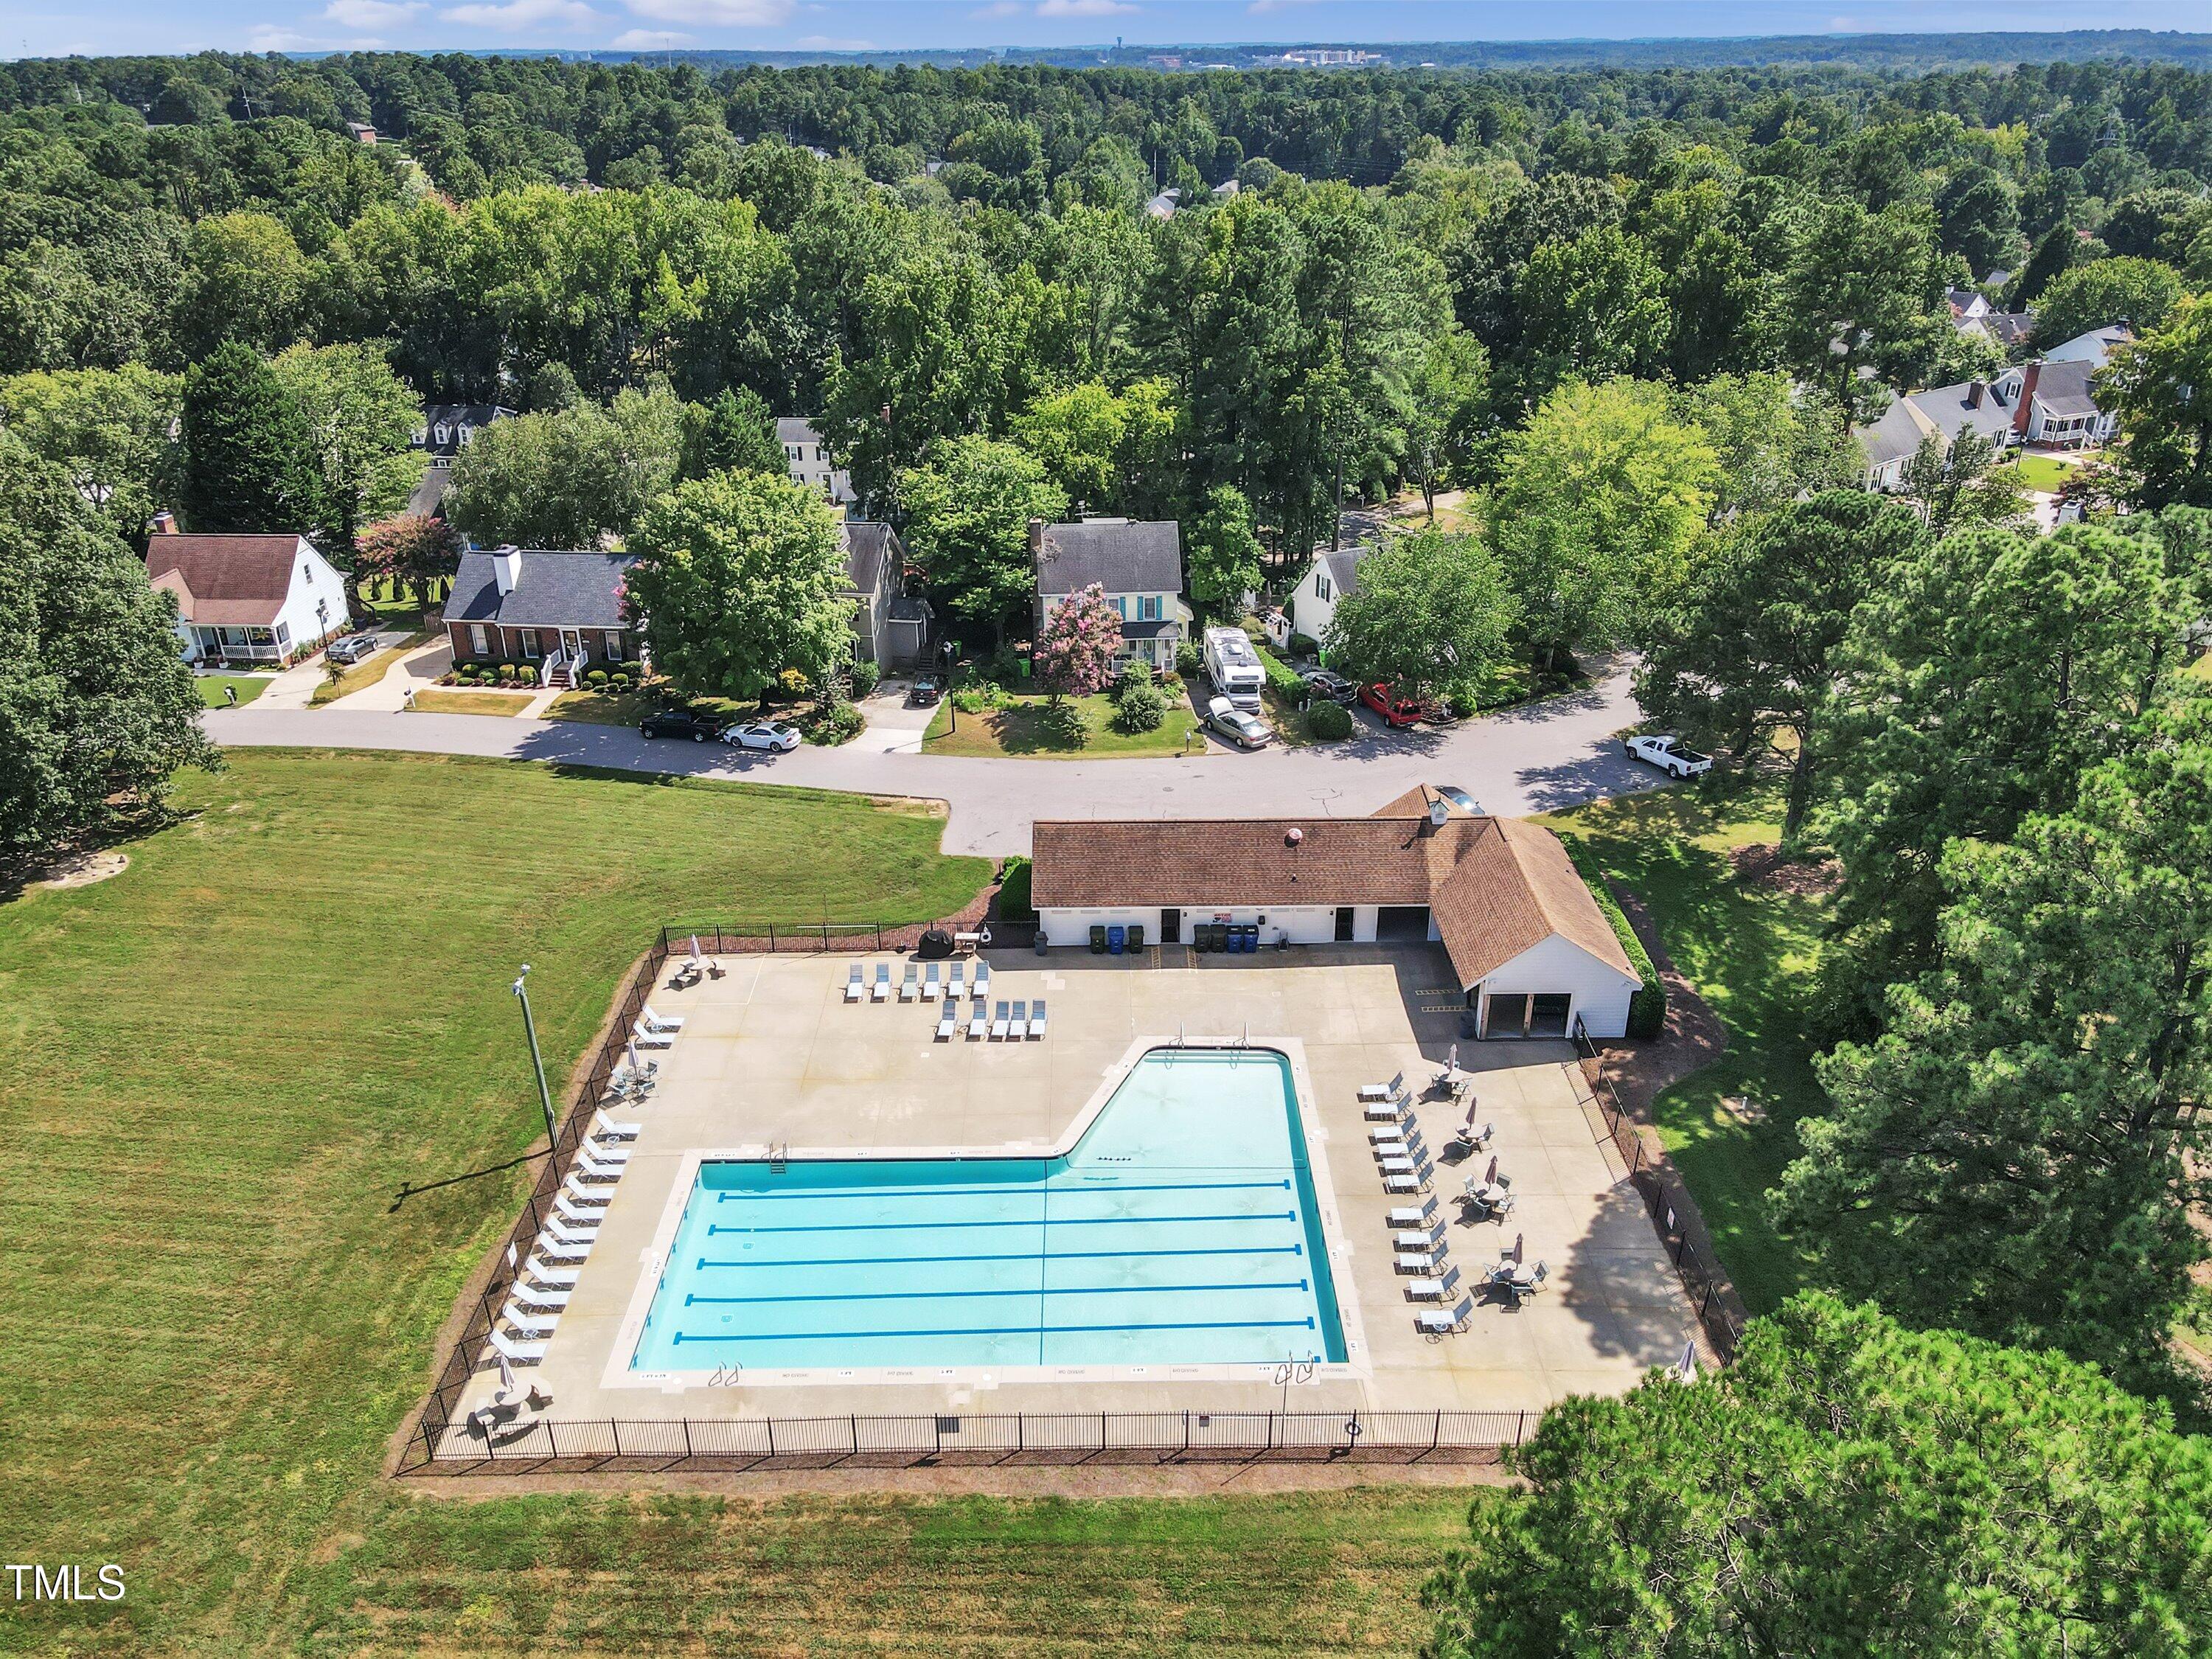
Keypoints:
(1495, 886)
(239, 581)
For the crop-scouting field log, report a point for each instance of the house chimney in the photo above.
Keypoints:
(1974, 395)
(165, 523)
(1036, 538)
(2025, 413)
(506, 569)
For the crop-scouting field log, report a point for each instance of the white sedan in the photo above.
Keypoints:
(762, 734)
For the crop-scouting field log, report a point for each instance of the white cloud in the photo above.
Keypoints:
(831, 43)
(269, 37)
(729, 14)
(1843, 25)
(373, 13)
(998, 8)
(1083, 8)
(522, 14)
(651, 40)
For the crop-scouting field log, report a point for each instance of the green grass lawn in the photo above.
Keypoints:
(223, 1063)
(603, 707)
(1029, 726)
(433, 699)
(249, 686)
(2043, 472)
(1751, 953)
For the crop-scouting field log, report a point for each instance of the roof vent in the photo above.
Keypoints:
(1292, 837)
(1439, 810)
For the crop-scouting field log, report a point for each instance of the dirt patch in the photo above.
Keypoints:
(1762, 864)
(82, 871)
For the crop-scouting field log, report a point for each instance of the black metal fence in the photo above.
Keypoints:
(436, 1420)
(1723, 1329)
(735, 1445)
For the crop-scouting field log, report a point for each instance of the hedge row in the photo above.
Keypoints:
(1014, 903)
(1280, 679)
(1647, 1009)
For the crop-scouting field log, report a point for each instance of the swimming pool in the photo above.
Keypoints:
(1182, 1228)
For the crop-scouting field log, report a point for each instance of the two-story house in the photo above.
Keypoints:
(253, 599)
(890, 625)
(812, 469)
(1139, 563)
(1312, 604)
(445, 432)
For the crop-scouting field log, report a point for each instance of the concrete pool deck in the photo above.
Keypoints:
(772, 1054)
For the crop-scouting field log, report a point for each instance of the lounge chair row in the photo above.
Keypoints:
(1417, 1236)
(655, 1031)
(1025, 1020)
(543, 1284)
(925, 985)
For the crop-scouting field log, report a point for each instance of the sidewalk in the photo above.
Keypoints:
(420, 667)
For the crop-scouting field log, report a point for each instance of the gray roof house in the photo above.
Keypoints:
(445, 432)
(560, 612)
(1334, 575)
(2095, 347)
(890, 625)
(2051, 404)
(1138, 565)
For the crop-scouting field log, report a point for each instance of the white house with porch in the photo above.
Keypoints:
(1528, 947)
(250, 599)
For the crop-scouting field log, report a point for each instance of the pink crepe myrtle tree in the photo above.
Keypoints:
(1076, 647)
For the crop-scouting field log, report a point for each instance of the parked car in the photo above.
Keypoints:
(1396, 709)
(927, 689)
(1669, 755)
(1247, 731)
(354, 648)
(762, 734)
(679, 723)
(1329, 688)
(1459, 798)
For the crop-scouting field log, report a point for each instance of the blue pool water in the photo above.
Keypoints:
(1182, 1229)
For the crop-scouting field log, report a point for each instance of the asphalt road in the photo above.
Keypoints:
(1557, 753)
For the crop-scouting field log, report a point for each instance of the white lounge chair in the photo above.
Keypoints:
(1036, 1017)
(930, 984)
(956, 985)
(1397, 1131)
(982, 981)
(910, 985)
(1383, 1091)
(883, 990)
(1443, 1321)
(561, 1233)
(516, 1353)
(947, 1023)
(1402, 1160)
(999, 1022)
(1430, 1237)
(609, 1168)
(549, 1248)
(653, 1021)
(1410, 1215)
(580, 1191)
(531, 1296)
(1416, 1182)
(856, 987)
(978, 1022)
(1017, 1026)
(538, 1327)
(576, 1214)
(1386, 1111)
(1433, 1290)
(607, 1128)
(1427, 1255)
(645, 1039)
(561, 1279)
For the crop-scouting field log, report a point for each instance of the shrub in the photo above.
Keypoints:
(1281, 681)
(1014, 903)
(790, 685)
(839, 722)
(1005, 667)
(1140, 707)
(864, 675)
(597, 679)
(1329, 721)
(618, 682)
(1304, 644)
(1647, 1009)
(1463, 701)
(1189, 660)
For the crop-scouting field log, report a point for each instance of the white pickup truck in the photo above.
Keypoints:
(1669, 755)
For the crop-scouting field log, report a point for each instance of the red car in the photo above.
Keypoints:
(1397, 710)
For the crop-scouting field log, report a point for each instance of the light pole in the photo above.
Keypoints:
(530, 1030)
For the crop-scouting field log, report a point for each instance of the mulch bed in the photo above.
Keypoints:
(1762, 864)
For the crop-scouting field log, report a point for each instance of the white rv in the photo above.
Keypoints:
(1234, 667)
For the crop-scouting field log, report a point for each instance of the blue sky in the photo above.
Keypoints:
(42, 27)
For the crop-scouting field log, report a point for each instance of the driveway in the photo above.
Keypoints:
(1548, 754)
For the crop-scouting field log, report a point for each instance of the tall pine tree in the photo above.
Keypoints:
(249, 462)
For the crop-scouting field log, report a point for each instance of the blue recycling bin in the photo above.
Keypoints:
(1117, 940)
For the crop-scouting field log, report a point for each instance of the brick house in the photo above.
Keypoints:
(561, 613)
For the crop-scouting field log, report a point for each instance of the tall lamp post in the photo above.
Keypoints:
(530, 1030)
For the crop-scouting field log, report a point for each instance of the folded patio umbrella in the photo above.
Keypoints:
(629, 1052)
(1491, 1179)
(694, 947)
(506, 1376)
(1686, 1368)
(1517, 1248)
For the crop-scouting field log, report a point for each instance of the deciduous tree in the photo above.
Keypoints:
(1221, 551)
(2156, 387)
(1431, 610)
(1075, 648)
(967, 517)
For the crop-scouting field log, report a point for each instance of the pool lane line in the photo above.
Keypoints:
(1306, 1324)
(818, 1194)
(705, 1263)
(1008, 1221)
(1020, 1289)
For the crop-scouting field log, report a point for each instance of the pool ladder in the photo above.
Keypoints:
(777, 1158)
